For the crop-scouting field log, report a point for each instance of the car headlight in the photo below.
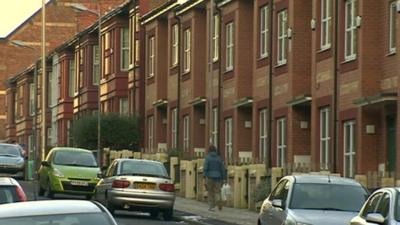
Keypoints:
(57, 173)
(20, 162)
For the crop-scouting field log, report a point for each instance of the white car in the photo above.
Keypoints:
(312, 200)
(69, 212)
(382, 207)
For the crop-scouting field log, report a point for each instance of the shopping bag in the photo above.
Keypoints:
(225, 192)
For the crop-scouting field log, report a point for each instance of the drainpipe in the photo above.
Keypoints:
(268, 161)
(220, 81)
(335, 90)
(178, 101)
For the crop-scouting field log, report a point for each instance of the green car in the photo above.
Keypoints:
(68, 171)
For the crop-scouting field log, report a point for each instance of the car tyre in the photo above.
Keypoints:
(110, 206)
(154, 214)
(168, 214)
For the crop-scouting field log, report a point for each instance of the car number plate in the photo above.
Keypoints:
(147, 186)
(79, 183)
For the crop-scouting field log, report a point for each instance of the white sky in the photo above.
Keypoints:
(15, 12)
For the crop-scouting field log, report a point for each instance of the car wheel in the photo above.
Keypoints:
(110, 206)
(41, 191)
(168, 214)
(50, 193)
(154, 214)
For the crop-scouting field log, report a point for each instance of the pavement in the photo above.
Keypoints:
(196, 212)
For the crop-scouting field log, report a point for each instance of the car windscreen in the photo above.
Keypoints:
(9, 150)
(74, 158)
(144, 168)
(328, 197)
(8, 194)
(64, 219)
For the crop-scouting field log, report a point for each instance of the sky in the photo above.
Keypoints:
(15, 12)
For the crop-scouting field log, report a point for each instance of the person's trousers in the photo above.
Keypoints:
(214, 193)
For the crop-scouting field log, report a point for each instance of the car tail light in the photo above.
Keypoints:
(167, 187)
(120, 184)
(21, 194)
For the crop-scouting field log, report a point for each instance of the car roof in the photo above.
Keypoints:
(14, 145)
(7, 181)
(70, 149)
(48, 207)
(323, 179)
(138, 160)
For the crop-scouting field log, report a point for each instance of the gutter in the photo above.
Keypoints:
(178, 101)
(268, 161)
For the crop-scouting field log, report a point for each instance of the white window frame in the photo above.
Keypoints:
(281, 142)
(326, 24)
(174, 126)
(71, 77)
(350, 30)
(151, 56)
(123, 106)
(186, 133)
(175, 45)
(214, 131)
(392, 27)
(96, 65)
(229, 140)
(32, 99)
(124, 49)
(215, 38)
(263, 134)
(229, 28)
(282, 37)
(264, 31)
(349, 144)
(187, 39)
(324, 115)
(150, 138)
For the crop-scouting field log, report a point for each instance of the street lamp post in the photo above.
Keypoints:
(83, 8)
(32, 154)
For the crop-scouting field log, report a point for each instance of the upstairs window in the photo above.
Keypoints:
(392, 27)
(175, 45)
(282, 37)
(326, 24)
(264, 31)
(351, 27)
(215, 38)
(187, 51)
(124, 48)
(229, 46)
(96, 65)
(151, 57)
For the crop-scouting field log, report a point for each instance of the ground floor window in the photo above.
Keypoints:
(349, 149)
(228, 140)
(281, 140)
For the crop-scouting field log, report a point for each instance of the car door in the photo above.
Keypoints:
(371, 206)
(106, 182)
(271, 214)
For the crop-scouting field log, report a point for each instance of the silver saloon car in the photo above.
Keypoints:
(382, 207)
(312, 200)
(48, 212)
(137, 185)
(12, 161)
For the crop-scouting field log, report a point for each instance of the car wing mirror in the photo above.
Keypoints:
(376, 218)
(277, 203)
(45, 163)
(100, 175)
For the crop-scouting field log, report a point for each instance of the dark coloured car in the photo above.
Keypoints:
(12, 161)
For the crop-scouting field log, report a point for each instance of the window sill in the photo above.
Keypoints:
(281, 65)
(227, 70)
(324, 50)
(262, 57)
(391, 53)
(349, 60)
(150, 77)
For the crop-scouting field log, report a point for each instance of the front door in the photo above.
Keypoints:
(391, 143)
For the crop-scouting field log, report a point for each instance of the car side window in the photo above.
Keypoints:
(371, 205)
(280, 192)
(384, 205)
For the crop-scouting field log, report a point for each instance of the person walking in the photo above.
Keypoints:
(214, 174)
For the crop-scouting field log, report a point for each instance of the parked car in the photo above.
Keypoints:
(138, 185)
(12, 161)
(68, 171)
(312, 199)
(11, 191)
(47, 212)
(382, 207)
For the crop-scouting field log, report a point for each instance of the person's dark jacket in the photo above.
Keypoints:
(214, 167)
